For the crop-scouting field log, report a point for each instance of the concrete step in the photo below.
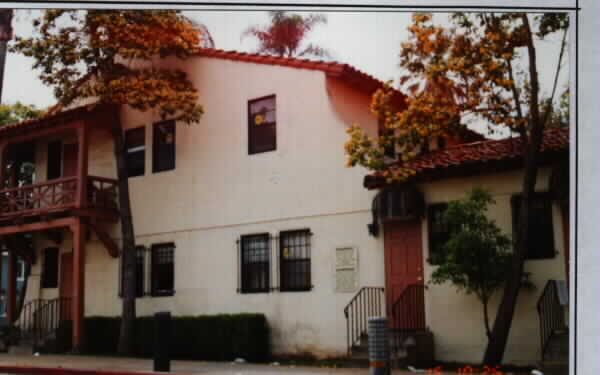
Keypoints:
(21, 349)
(558, 347)
(554, 367)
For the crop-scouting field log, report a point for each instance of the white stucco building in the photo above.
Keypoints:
(253, 210)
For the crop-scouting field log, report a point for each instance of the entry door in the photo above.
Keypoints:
(70, 152)
(403, 260)
(66, 285)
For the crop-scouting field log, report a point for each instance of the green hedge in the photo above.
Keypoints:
(210, 337)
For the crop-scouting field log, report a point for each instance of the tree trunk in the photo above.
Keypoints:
(5, 36)
(531, 142)
(126, 336)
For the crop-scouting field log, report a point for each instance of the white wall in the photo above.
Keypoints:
(456, 318)
(218, 192)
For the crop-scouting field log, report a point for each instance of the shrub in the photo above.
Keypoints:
(205, 337)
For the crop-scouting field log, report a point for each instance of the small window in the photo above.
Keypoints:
(50, 268)
(163, 146)
(261, 125)
(295, 260)
(163, 269)
(541, 234)
(54, 166)
(140, 272)
(135, 145)
(439, 232)
(255, 265)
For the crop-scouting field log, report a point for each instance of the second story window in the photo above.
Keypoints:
(163, 146)
(262, 134)
(135, 146)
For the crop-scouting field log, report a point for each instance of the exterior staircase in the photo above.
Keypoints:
(38, 326)
(553, 306)
(411, 343)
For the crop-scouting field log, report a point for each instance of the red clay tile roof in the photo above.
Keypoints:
(344, 72)
(475, 158)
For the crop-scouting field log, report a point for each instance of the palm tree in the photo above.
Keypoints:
(284, 35)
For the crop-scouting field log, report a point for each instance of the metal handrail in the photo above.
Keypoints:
(551, 314)
(41, 317)
(368, 301)
(408, 311)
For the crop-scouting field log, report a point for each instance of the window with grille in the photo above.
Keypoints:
(255, 263)
(140, 272)
(135, 146)
(50, 268)
(439, 232)
(294, 260)
(163, 269)
(163, 146)
(540, 243)
(262, 134)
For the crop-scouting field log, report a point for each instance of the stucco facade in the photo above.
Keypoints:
(218, 193)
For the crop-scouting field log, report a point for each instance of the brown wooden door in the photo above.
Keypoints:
(66, 285)
(403, 259)
(70, 159)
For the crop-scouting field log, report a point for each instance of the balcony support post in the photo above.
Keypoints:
(79, 230)
(11, 303)
(82, 164)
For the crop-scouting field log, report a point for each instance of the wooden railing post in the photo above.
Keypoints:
(78, 313)
(11, 303)
(82, 164)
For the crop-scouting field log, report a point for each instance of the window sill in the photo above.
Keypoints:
(309, 289)
(162, 294)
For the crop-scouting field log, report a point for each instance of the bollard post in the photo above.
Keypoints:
(162, 338)
(379, 346)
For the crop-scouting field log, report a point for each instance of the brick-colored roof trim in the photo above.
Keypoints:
(475, 158)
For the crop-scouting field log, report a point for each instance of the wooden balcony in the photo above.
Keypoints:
(59, 198)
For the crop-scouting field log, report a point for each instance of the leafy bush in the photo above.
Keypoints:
(205, 337)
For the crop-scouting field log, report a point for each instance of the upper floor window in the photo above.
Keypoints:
(255, 263)
(540, 242)
(135, 146)
(54, 165)
(163, 269)
(262, 134)
(163, 146)
(295, 260)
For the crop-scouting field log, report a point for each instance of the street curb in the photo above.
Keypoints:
(35, 370)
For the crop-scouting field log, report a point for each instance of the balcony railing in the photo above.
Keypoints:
(58, 195)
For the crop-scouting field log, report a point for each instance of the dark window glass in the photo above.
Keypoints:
(540, 243)
(140, 257)
(50, 268)
(262, 125)
(439, 232)
(255, 254)
(135, 145)
(163, 146)
(295, 260)
(54, 160)
(163, 269)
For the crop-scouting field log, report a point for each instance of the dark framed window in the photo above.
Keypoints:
(255, 263)
(163, 269)
(135, 146)
(439, 231)
(294, 258)
(140, 273)
(54, 166)
(262, 132)
(50, 268)
(540, 243)
(163, 146)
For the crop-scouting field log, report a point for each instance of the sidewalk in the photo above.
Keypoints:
(132, 365)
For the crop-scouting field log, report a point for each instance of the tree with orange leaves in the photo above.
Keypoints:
(481, 67)
(106, 55)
